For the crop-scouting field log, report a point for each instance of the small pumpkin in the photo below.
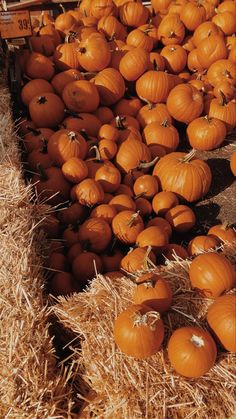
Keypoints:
(35, 138)
(192, 15)
(108, 176)
(162, 133)
(105, 211)
(126, 226)
(223, 232)
(206, 133)
(89, 192)
(132, 154)
(46, 110)
(153, 236)
(146, 186)
(172, 250)
(138, 259)
(75, 170)
(94, 53)
(201, 244)
(162, 224)
(212, 274)
(51, 186)
(222, 320)
(181, 218)
(65, 144)
(39, 67)
(33, 88)
(85, 267)
(110, 85)
(163, 201)
(185, 103)
(74, 213)
(175, 58)
(123, 202)
(143, 206)
(171, 30)
(154, 291)
(139, 331)
(134, 64)
(81, 96)
(133, 14)
(192, 351)
(96, 234)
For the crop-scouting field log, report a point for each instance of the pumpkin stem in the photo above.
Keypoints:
(188, 157)
(70, 36)
(207, 118)
(119, 122)
(171, 34)
(147, 263)
(150, 104)
(146, 165)
(72, 135)
(43, 175)
(165, 123)
(198, 341)
(44, 149)
(155, 65)
(133, 219)
(62, 8)
(148, 319)
(82, 50)
(225, 225)
(41, 100)
(84, 134)
(223, 100)
(97, 153)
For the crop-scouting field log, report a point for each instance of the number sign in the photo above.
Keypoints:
(15, 24)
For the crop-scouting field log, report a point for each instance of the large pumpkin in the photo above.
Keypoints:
(110, 85)
(206, 133)
(94, 53)
(222, 320)
(188, 177)
(65, 144)
(81, 96)
(139, 331)
(212, 274)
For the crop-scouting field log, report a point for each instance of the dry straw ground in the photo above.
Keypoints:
(31, 385)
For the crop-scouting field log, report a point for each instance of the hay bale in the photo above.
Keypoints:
(126, 388)
(31, 384)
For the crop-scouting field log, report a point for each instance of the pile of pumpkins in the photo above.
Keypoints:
(112, 89)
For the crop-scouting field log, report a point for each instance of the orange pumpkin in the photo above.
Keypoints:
(162, 133)
(163, 201)
(65, 144)
(123, 202)
(33, 88)
(110, 85)
(104, 211)
(46, 110)
(81, 96)
(94, 53)
(181, 218)
(89, 192)
(201, 244)
(206, 133)
(75, 170)
(223, 232)
(185, 103)
(126, 226)
(138, 259)
(153, 236)
(96, 234)
(85, 266)
(154, 291)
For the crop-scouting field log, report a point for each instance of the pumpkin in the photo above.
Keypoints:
(130, 178)
(138, 259)
(193, 61)
(138, 38)
(43, 44)
(94, 53)
(132, 154)
(211, 49)
(126, 130)
(133, 14)
(100, 8)
(51, 186)
(206, 133)
(110, 85)
(40, 157)
(81, 96)
(192, 15)
(111, 28)
(74, 169)
(225, 87)
(108, 132)
(143, 206)
(128, 106)
(160, 5)
(162, 133)
(126, 226)
(89, 192)
(191, 351)
(153, 113)
(223, 110)
(33, 88)
(185, 103)
(96, 234)
(73, 252)
(171, 30)
(175, 6)
(104, 114)
(204, 30)
(188, 177)
(161, 223)
(222, 321)
(171, 250)
(154, 86)
(39, 67)
(60, 80)
(104, 211)
(225, 21)
(134, 64)
(233, 163)
(153, 236)
(124, 190)
(227, 6)
(212, 274)
(220, 71)
(123, 202)
(65, 56)
(175, 58)
(146, 186)
(71, 235)
(85, 267)
(111, 260)
(107, 149)
(73, 213)
(156, 61)
(108, 176)
(56, 262)
(65, 144)
(154, 291)
(64, 22)
(201, 244)
(46, 110)
(223, 232)
(151, 30)
(163, 201)
(139, 331)
(50, 30)
(36, 138)
(181, 218)
(85, 123)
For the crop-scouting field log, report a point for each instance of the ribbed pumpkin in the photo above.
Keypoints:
(134, 64)
(133, 14)
(111, 28)
(110, 85)
(192, 15)
(81, 96)
(96, 234)
(140, 39)
(163, 134)
(60, 80)
(146, 186)
(153, 236)
(75, 170)
(65, 144)
(204, 30)
(51, 186)
(185, 103)
(181, 218)
(206, 133)
(171, 30)
(211, 49)
(222, 70)
(126, 226)
(163, 201)
(223, 110)
(212, 274)
(94, 53)
(138, 259)
(201, 244)
(188, 177)
(175, 58)
(132, 154)
(153, 291)
(89, 192)
(153, 113)
(65, 56)
(154, 86)
(39, 67)
(225, 21)
(223, 232)
(222, 320)
(100, 8)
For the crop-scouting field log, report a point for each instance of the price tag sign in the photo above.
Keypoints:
(15, 24)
